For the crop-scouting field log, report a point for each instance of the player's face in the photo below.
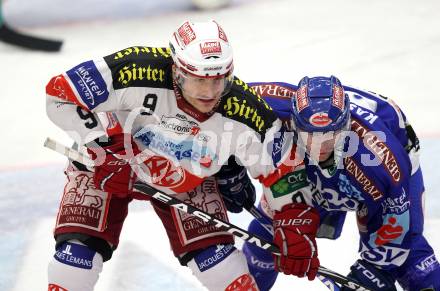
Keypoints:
(203, 93)
(320, 146)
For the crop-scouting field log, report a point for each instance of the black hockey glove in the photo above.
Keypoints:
(235, 187)
(371, 277)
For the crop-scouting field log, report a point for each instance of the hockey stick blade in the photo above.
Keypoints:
(11, 36)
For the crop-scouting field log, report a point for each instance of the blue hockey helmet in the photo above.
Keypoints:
(320, 105)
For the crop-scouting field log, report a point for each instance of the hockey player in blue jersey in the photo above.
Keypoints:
(361, 154)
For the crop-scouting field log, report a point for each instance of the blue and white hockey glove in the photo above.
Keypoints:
(371, 277)
(235, 187)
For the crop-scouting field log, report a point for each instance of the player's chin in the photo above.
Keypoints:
(206, 105)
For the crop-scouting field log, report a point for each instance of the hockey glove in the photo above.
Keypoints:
(113, 172)
(295, 228)
(371, 277)
(235, 186)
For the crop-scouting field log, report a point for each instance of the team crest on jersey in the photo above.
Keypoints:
(330, 198)
(163, 172)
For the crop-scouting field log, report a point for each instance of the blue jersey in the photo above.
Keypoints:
(377, 179)
(381, 180)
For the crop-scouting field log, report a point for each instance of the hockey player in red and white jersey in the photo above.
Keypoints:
(180, 114)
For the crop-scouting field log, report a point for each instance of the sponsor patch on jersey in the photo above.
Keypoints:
(393, 230)
(365, 114)
(330, 197)
(263, 265)
(179, 125)
(187, 149)
(346, 187)
(278, 146)
(384, 255)
(75, 255)
(136, 51)
(82, 205)
(396, 205)
(138, 74)
(89, 84)
(380, 149)
(289, 183)
(367, 184)
(428, 264)
(191, 228)
(245, 112)
(212, 256)
(274, 90)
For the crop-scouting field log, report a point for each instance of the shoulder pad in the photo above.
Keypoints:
(244, 105)
(141, 66)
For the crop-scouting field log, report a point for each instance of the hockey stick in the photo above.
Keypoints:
(266, 223)
(11, 36)
(237, 231)
(204, 216)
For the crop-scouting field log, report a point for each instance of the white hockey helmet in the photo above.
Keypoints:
(202, 49)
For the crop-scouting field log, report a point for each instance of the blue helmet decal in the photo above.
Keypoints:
(320, 104)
